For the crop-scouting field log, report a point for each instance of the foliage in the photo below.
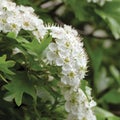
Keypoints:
(23, 69)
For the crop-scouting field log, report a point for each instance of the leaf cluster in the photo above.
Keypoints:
(24, 79)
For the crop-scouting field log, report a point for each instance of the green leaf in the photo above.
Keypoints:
(96, 58)
(19, 84)
(113, 96)
(35, 47)
(32, 47)
(5, 65)
(110, 13)
(102, 81)
(33, 63)
(102, 114)
(80, 9)
(20, 39)
(24, 2)
(83, 85)
(115, 73)
(45, 42)
(11, 35)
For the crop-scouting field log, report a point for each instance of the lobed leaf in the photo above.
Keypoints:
(6, 64)
(19, 84)
(35, 47)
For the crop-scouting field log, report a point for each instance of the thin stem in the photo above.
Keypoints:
(36, 111)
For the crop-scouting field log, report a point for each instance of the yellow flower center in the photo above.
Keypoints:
(71, 74)
(14, 25)
(26, 24)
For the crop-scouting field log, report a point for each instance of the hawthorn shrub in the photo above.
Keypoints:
(43, 63)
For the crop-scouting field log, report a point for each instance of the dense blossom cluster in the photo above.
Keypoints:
(100, 2)
(13, 18)
(66, 51)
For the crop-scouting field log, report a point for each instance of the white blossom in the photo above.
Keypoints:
(13, 18)
(67, 51)
(78, 105)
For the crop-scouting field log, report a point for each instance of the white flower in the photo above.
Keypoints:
(56, 32)
(70, 77)
(92, 103)
(70, 31)
(8, 5)
(78, 105)
(27, 22)
(14, 24)
(25, 9)
(16, 50)
(53, 54)
(40, 28)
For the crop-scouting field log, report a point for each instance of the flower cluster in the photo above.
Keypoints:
(100, 2)
(65, 50)
(13, 18)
